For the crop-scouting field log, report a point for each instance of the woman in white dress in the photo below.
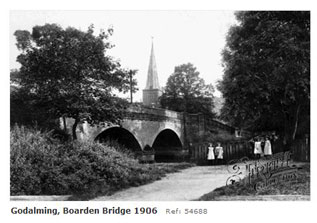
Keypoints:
(257, 148)
(219, 152)
(267, 147)
(211, 154)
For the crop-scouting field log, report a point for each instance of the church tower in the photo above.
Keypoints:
(152, 91)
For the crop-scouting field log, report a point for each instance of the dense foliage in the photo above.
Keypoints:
(266, 84)
(65, 73)
(42, 165)
(185, 91)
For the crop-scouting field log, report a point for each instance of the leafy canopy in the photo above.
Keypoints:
(66, 72)
(185, 91)
(266, 82)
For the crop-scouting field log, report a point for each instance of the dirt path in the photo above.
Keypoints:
(189, 184)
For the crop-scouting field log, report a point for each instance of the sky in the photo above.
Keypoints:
(179, 37)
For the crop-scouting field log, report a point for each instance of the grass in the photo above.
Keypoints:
(300, 187)
(151, 172)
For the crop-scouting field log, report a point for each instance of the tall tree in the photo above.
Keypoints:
(185, 91)
(66, 73)
(266, 82)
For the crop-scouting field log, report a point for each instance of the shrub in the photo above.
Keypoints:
(35, 162)
(119, 147)
(42, 165)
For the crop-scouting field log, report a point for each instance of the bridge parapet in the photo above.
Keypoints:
(152, 114)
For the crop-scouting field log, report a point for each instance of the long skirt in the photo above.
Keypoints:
(257, 148)
(267, 148)
(211, 154)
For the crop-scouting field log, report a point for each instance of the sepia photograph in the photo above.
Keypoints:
(159, 105)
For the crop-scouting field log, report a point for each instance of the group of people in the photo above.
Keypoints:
(215, 154)
(262, 147)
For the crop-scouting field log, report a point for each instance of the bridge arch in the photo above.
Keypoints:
(167, 146)
(122, 136)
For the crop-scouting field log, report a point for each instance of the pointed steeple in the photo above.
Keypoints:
(152, 78)
(152, 91)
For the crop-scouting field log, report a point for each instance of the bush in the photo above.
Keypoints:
(42, 165)
(33, 155)
(119, 147)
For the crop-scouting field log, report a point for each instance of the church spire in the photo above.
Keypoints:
(152, 91)
(152, 78)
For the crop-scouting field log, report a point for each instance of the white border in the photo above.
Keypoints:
(219, 211)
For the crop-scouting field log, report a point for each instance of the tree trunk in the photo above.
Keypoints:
(74, 128)
(64, 123)
(286, 138)
(290, 127)
(296, 122)
(285, 128)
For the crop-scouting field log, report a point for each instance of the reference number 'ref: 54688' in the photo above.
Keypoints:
(196, 211)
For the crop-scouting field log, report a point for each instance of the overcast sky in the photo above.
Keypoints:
(179, 37)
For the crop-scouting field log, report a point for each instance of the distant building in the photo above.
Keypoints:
(152, 91)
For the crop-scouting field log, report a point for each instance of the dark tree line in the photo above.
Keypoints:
(266, 82)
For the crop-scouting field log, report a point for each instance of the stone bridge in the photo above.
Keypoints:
(169, 133)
